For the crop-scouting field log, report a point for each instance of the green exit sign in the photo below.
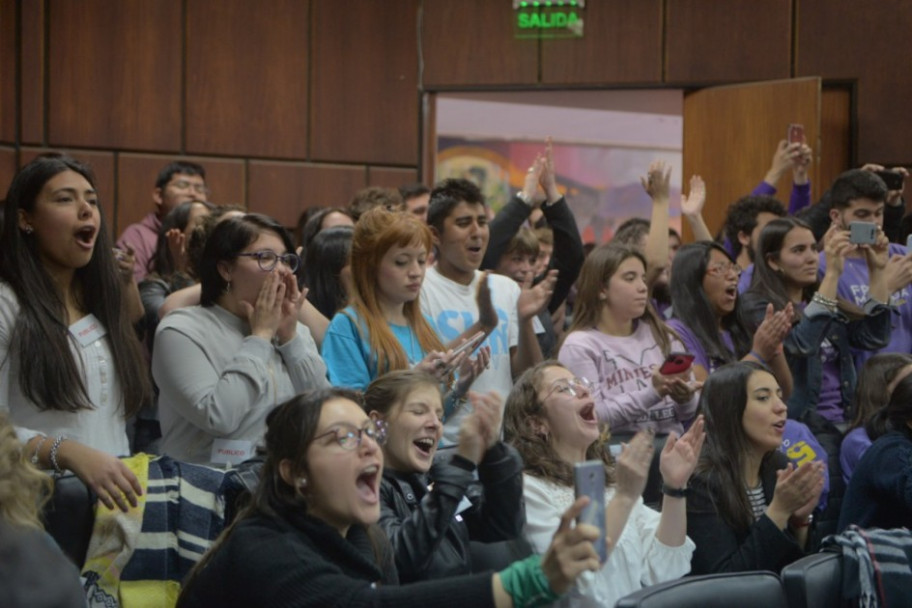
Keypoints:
(548, 18)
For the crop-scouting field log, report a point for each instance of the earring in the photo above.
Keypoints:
(28, 230)
(227, 287)
(302, 483)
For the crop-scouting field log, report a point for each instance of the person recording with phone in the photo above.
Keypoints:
(551, 420)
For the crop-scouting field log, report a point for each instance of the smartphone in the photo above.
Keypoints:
(893, 179)
(589, 480)
(862, 233)
(470, 345)
(795, 134)
(676, 363)
(909, 244)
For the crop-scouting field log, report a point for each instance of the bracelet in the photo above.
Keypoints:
(805, 523)
(526, 583)
(34, 458)
(756, 356)
(830, 303)
(675, 492)
(53, 457)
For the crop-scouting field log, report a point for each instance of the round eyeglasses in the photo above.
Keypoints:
(349, 437)
(570, 386)
(267, 259)
(721, 269)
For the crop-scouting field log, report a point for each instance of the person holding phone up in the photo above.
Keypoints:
(551, 420)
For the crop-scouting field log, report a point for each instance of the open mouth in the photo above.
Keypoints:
(780, 426)
(86, 235)
(732, 291)
(588, 414)
(425, 446)
(368, 484)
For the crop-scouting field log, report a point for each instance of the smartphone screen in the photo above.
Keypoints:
(589, 480)
(795, 133)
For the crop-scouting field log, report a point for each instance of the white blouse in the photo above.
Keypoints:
(102, 427)
(637, 559)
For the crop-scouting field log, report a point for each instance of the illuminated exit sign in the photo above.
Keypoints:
(548, 18)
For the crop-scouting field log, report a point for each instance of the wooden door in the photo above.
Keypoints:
(731, 133)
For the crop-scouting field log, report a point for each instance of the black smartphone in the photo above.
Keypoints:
(589, 480)
(893, 179)
(676, 363)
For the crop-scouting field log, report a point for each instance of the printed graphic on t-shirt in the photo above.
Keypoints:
(621, 374)
(451, 323)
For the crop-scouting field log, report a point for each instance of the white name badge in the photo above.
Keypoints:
(88, 330)
(231, 451)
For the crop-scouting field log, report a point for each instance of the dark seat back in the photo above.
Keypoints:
(69, 517)
(740, 589)
(814, 581)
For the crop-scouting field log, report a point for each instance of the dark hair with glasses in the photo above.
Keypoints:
(180, 167)
(268, 259)
(228, 240)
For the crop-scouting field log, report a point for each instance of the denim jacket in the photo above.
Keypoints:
(802, 348)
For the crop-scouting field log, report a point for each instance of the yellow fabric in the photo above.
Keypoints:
(149, 594)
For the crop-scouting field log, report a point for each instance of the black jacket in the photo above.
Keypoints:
(721, 548)
(298, 561)
(430, 540)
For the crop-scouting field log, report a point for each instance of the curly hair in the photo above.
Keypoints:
(23, 488)
(523, 410)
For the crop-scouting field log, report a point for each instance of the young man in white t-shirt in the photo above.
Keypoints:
(450, 295)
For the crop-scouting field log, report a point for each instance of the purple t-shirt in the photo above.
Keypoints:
(744, 281)
(800, 446)
(854, 445)
(829, 404)
(694, 347)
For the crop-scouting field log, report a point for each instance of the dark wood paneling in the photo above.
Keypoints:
(115, 74)
(8, 72)
(727, 40)
(283, 190)
(33, 71)
(7, 169)
(835, 154)
(226, 178)
(364, 91)
(102, 165)
(471, 42)
(621, 43)
(870, 42)
(391, 178)
(247, 77)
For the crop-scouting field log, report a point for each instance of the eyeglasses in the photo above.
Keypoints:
(570, 386)
(349, 437)
(183, 184)
(721, 269)
(268, 259)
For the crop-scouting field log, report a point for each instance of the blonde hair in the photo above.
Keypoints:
(376, 232)
(23, 488)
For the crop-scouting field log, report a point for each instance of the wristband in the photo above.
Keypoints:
(754, 354)
(675, 492)
(526, 583)
(53, 457)
(34, 458)
(805, 523)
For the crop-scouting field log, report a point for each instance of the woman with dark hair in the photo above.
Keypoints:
(71, 367)
(618, 341)
(748, 508)
(876, 381)
(327, 269)
(425, 505)
(550, 419)
(221, 366)
(880, 491)
(320, 220)
(309, 537)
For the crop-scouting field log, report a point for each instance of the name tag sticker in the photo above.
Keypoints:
(464, 504)
(231, 451)
(88, 330)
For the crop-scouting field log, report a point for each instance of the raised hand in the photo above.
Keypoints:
(783, 160)
(772, 331)
(548, 178)
(657, 181)
(571, 552)
(876, 255)
(836, 247)
(679, 456)
(692, 204)
(471, 368)
(899, 272)
(534, 299)
(795, 489)
(487, 315)
(126, 260)
(265, 315)
(291, 306)
(533, 176)
(633, 465)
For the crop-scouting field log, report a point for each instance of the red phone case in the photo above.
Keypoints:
(676, 363)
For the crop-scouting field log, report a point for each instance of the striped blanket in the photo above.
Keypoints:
(139, 558)
(875, 566)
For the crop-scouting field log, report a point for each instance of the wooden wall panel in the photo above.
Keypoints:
(727, 40)
(870, 42)
(622, 43)
(115, 74)
(8, 72)
(102, 165)
(389, 177)
(226, 178)
(283, 190)
(247, 77)
(8, 166)
(364, 89)
(835, 153)
(471, 42)
(33, 71)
